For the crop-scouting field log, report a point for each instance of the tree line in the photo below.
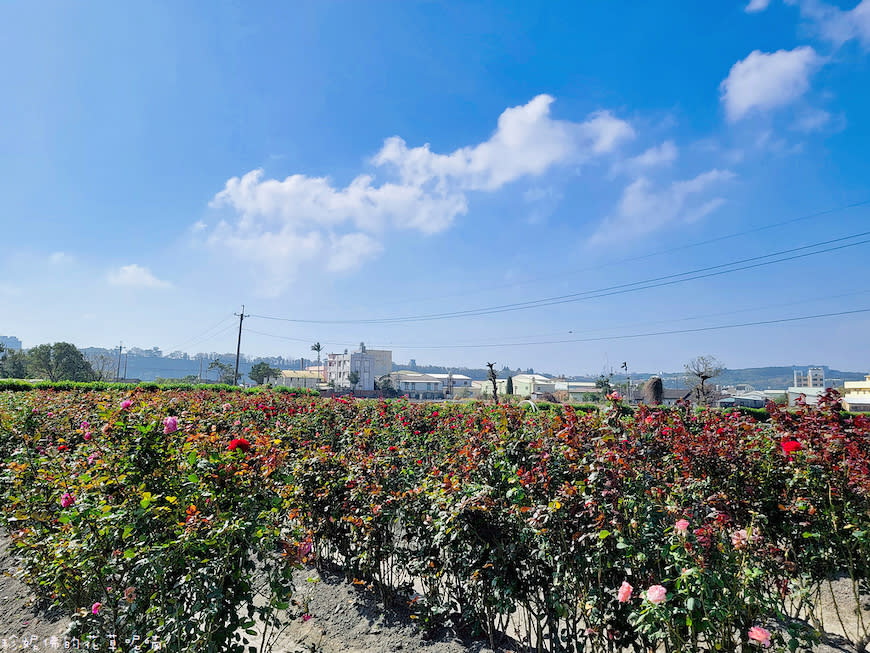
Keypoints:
(60, 361)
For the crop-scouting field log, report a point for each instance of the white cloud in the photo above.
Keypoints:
(304, 218)
(656, 156)
(756, 6)
(812, 120)
(136, 276)
(835, 25)
(542, 203)
(644, 209)
(59, 258)
(527, 142)
(198, 226)
(767, 80)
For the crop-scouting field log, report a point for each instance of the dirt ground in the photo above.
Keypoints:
(344, 618)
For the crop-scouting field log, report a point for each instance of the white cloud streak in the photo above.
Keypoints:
(835, 25)
(136, 276)
(756, 6)
(643, 208)
(768, 80)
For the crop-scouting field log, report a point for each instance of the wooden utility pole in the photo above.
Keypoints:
(242, 316)
(118, 374)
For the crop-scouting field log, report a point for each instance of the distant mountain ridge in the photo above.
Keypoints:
(761, 378)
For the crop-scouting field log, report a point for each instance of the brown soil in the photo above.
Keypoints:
(345, 618)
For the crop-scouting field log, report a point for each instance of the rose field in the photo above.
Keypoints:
(166, 513)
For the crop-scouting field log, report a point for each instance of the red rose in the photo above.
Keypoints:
(239, 443)
(790, 446)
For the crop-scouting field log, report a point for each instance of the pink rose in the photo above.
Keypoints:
(656, 594)
(85, 425)
(95, 608)
(170, 425)
(681, 527)
(624, 593)
(126, 404)
(760, 635)
(67, 500)
(87, 436)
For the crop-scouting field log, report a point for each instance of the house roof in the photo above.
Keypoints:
(299, 374)
(527, 378)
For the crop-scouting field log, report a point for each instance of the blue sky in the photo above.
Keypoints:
(164, 163)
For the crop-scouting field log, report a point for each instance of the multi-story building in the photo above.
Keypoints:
(814, 378)
(811, 385)
(857, 397)
(369, 364)
(382, 361)
(10, 342)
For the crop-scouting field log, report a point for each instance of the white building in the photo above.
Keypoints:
(383, 361)
(857, 397)
(453, 384)
(417, 385)
(296, 379)
(369, 364)
(575, 389)
(814, 378)
(482, 389)
(532, 385)
(810, 395)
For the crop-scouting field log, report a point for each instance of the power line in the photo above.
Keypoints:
(645, 284)
(642, 257)
(616, 337)
(196, 338)
(648, 334)
(691, 317)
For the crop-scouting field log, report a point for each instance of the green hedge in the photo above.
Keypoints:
(19, 385)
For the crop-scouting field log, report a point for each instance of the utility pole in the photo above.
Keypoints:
(200, 369)
(242, 316)
(118, 373)
(125, 366)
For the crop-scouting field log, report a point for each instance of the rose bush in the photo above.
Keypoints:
(191, 500)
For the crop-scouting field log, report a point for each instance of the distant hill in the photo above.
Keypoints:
(761, 378)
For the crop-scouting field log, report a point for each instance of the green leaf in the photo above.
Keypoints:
(191, 458)
(603, 534)
(193, 478)
(127, 530)
(129, 553)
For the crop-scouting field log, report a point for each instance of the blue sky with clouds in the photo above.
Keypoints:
(333, 161)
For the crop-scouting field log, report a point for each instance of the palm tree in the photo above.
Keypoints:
(318, 348)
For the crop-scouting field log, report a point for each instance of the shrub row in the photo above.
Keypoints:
(161, 514)
(18, 385)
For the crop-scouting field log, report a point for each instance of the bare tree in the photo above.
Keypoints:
(653, 391)
(492, 378)
(698, 371)
(103, 365)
